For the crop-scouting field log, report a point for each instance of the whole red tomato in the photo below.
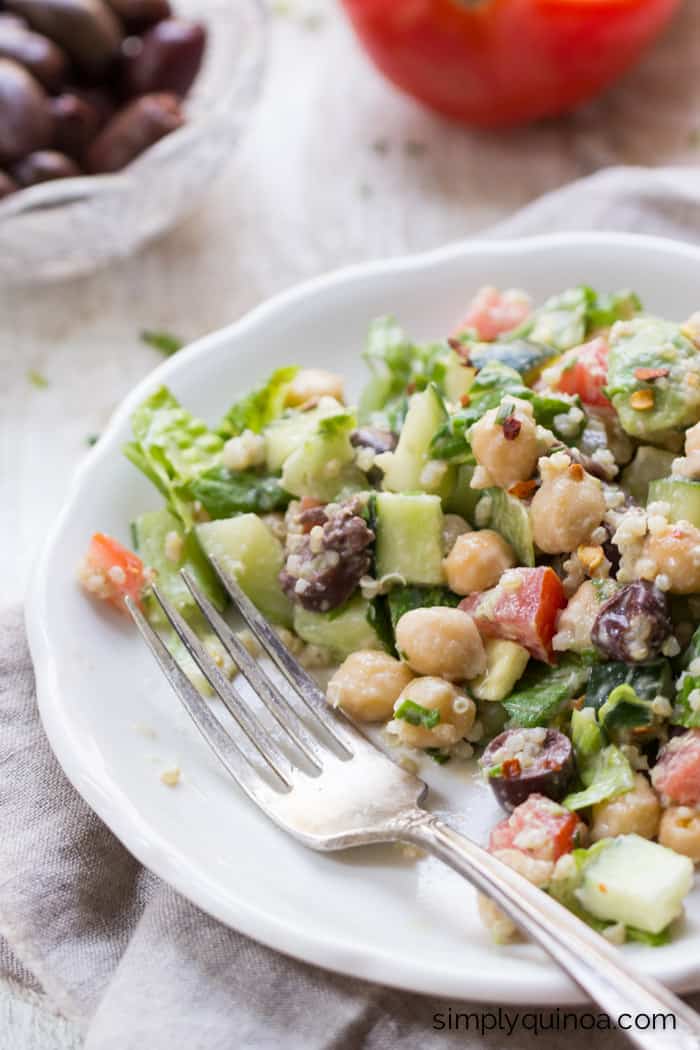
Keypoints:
(495, 63)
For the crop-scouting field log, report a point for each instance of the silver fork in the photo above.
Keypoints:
(318, 778)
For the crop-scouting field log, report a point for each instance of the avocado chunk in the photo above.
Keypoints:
(653, 378)
(409, 537)
(505, 663)
(247, 550)
(636, 882)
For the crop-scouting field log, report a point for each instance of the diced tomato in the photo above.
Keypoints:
(112, 572)
(677, 771)
(492, 312)
(522, 608)
(538, 827)
(584, 371)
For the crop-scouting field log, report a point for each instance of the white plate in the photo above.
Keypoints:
(372, 912)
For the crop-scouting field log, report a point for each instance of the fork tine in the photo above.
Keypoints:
(303, 683)
(232, 757)
(256, 734)
(274, 700)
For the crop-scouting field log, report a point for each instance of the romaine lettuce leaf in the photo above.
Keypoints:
(223, 492)
(258, 408)
(606, 775)
(543, 692)
(171, 447)
(402, 599)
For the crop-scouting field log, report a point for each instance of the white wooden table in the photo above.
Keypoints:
(336, 167)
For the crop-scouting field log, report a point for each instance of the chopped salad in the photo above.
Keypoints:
(497, 549)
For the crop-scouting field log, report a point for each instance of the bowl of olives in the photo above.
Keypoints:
(115, 117)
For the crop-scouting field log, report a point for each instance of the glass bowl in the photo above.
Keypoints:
(72, 226)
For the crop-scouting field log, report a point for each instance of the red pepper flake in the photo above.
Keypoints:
(522, 489)
(648, 375)
(511, 428)
(511, 768)
(465, 400)
(411, 389)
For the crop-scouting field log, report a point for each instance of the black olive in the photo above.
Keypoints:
(166, 58)
(375, 438)
(76, 122)
(132, 130)
(633, 625)
(87, 29)
(44, 166)
(25, 124)
(550, 770)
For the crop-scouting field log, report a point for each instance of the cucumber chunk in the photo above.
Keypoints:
(505, 663)
(510, 518)
(248, 550)
(342, 631)
(151, 533)
(324, 464)
(410, 467)
(284, 436)
(649, 464)
(636, 882)
(409, 537)
(683, 498)
(463, 498)
(458, 377)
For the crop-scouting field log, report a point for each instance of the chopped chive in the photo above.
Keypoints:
(165, 342)
(417, 715)
(92, 439)
(37, 379)
(437, 755)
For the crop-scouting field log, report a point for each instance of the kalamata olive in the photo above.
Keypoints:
(44, 59)
(88, 30)
(25, 123)
(44, 166)
(523, 762)
(633, 624)
(375, 438)
(321, 577)
(132, 130)
(7, 185)
(75, 124)
(166, 58)
(138, 15)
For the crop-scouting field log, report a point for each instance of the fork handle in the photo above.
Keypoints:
(594, 964)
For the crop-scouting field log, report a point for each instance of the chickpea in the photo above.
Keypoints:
(567, 507)
(440, 641)
(453, 526)
(538, 872)
(674, 552)
(457, 713)
(367, 684)
(688, 466)
(680, 831)
(636, 812)
(312, 383)
(477, 561)
(505, 454)
(575, 622)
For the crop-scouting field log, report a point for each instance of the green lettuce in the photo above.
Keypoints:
(223, 492)
(603, 770)
(258, 408)
(543, 693)
(171, 447)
